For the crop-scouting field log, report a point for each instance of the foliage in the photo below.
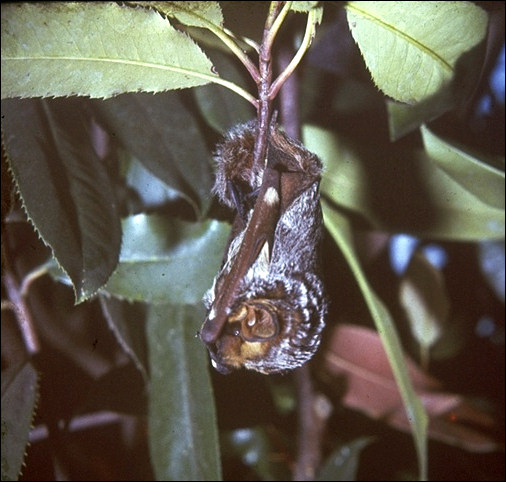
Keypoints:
(110, 114)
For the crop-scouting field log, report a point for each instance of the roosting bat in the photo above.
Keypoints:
(267, 305)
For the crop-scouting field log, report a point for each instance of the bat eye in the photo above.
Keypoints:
(233, 328)
(260, 324)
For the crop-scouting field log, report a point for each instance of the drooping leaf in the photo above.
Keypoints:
(414, 52)
(64, 187)
(161, 133)
(19, 397)
(404, 118)
(183, 436)
(372, 389)
(97, 49)
(425, 300)
(476, 177)
(399, 190)
(340, 229)
(166, 260)
(343, 462)
(127, 324)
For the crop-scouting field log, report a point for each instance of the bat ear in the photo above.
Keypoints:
(260, 324)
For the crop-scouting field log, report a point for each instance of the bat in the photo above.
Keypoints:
(267, 305)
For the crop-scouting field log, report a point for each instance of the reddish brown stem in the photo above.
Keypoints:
(264, 84)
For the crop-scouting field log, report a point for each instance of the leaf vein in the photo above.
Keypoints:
(403, 35)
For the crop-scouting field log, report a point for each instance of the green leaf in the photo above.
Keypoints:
(161, 132)
(19, 397)
(166, 260)
(479, 179)
(193, 14)
(124, 320)
(183, 435)
(404, 118)
(152, 192)
(412, 52)
(64, 187)
(343, 462)
(340, 229)
(423, 295)
(303, 6)
(400, 190)
(220, 107)
(97, 49)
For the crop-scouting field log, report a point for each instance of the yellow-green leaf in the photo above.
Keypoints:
(401, 190)
(423, 295)
(412, 49)
(303, 6)
(95, 49)
(480, 179)
(194, 14)
(340, 229)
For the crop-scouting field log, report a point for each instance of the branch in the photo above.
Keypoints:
(313, 411)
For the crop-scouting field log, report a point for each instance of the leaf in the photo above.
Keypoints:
(221, 108)
(343, 462)
(425, 300)
(64, 187)
(340, 229)
(413, 52)
(193, 14)
(161, 133)
(479, 179)
(371, 388)
(124, 320)
(151, 191)
(183, 435)
(19, 397)
(97, 49)
(400, 190)
(404, 118)
(166, 260)
(303, 6)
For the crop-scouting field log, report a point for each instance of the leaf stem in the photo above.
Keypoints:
(306, 42)
(230, 42)
(233, 87)
(274, 22)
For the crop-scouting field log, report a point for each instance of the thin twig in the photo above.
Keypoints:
(231, 43)
(22, 313)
